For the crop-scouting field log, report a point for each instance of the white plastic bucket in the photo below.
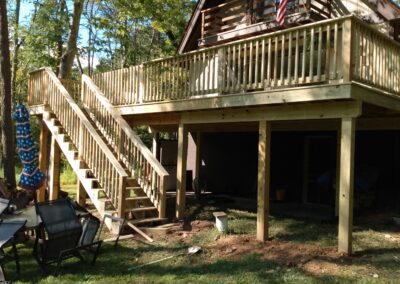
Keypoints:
(221, 222)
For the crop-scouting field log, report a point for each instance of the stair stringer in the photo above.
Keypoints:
(73, 159)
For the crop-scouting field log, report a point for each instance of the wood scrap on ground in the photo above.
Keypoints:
(140, 232)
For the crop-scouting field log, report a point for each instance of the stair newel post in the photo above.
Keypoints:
(141, 93)
(347, 50)
(121, 196)
(162, 197)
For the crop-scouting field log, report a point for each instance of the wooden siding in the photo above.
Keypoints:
(240, 13)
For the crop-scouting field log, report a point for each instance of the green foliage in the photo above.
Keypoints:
(144, 134)
(135, 31)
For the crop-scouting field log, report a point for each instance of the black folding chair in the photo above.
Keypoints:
(61, 234)
(8, 230)
(3, 205)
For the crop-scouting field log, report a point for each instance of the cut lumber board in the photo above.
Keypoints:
(140, 232)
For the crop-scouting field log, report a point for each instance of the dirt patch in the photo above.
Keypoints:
(312, 258)
(315, 259)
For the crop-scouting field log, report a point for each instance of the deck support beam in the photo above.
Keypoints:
(181, 170)
(54, 169)
(198, 155)
(43, 158)
(346, 185)
(156, 147)
(81, 194)
(264, 157)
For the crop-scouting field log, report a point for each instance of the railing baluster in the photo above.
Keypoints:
(262, 75)
(335, 51)
(319, 52)
(251, 60)
(269, 62)
(282, 69)
(289, 69)
(311, 72)
(256, 62)
(276, 63)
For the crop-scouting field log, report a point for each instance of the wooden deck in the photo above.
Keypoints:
(323, 60)
(339, 73)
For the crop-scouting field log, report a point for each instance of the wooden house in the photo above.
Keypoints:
(238, 82)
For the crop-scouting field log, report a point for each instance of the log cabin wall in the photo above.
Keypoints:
(236, 15)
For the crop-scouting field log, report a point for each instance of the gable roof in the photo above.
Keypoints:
(190, 25)
(387, 9)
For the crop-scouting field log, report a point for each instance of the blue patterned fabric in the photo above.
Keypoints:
(31, 177)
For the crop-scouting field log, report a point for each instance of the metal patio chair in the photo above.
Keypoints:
(8, 230)
(62, 235)
(3, 205)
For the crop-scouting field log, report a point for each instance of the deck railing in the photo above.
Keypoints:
(330, 51)
(45, 88)
(376, 58)
(130, 149)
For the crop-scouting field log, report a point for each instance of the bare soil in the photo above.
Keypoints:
(314, 259)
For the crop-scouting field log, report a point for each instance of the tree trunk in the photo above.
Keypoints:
(16, 48)
(67, 58)
(6, 96)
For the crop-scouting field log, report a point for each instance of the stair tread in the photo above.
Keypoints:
(138, 209)
(133, 187)
(147, 220)
(137, 198)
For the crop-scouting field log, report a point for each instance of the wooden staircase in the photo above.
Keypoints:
(117, 183)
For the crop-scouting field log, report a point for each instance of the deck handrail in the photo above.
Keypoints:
(45, 88)
(378, 60)
(129, 147)
(328, 51)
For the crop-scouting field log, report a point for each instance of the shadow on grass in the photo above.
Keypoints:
(117, 266)
(380, 258)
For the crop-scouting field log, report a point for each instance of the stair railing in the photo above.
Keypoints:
(45, 88)
(130, 149)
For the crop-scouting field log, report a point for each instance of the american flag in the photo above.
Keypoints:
(280, 14)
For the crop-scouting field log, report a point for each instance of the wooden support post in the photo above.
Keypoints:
(346, 185)
(121, 197)
(306, 168)
(198, 156)
(181, 170)
(264, 157)
(43, 159)
(337, 180)
(54, 170)
(81, 194)
(347, 47)
(156, 144)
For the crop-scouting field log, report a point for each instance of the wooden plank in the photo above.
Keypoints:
(181, 170)
(346, 185)
(337, 181)
(264, 157)
(43, 159)
(54, 169)
(281, 112)
(158, 231)
(80, 194)
(347, 48)
(290, 95)
(140, 232)
(198, 155)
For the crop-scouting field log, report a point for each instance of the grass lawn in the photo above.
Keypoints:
(299, 252)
